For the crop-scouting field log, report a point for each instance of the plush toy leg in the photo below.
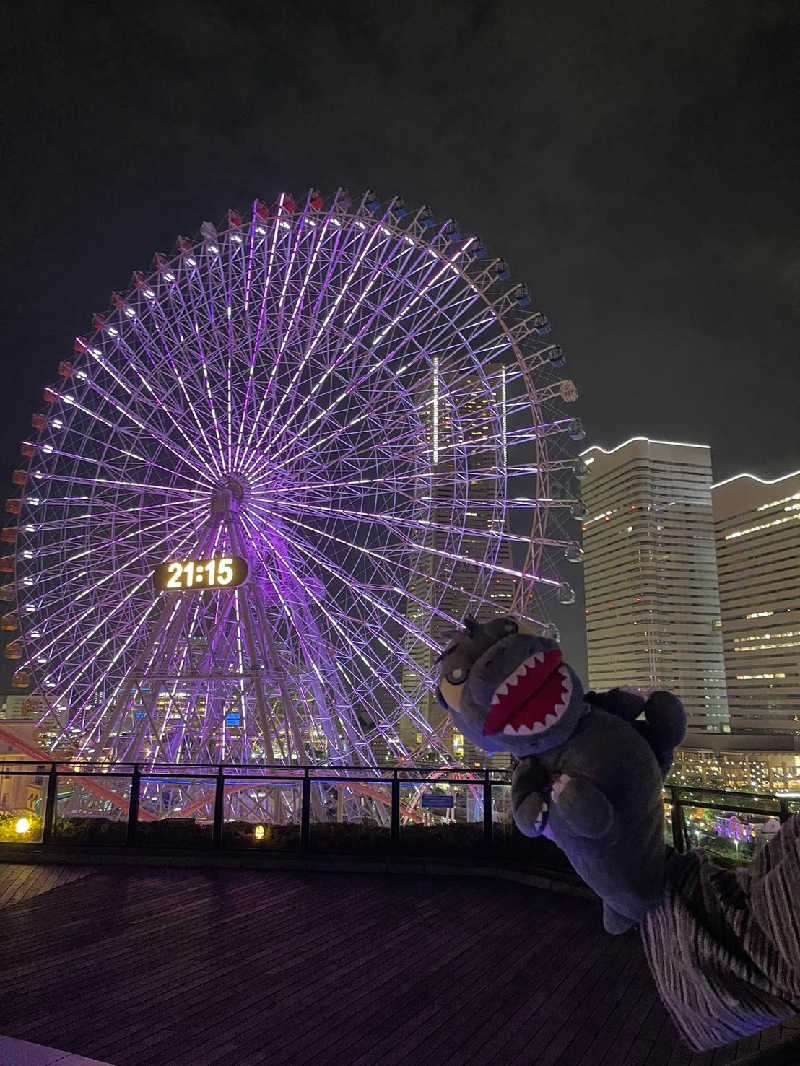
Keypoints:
(615, 923)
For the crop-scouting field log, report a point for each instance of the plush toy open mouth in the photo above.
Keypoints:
(532, 698)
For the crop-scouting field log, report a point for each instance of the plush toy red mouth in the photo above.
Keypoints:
(532, 698)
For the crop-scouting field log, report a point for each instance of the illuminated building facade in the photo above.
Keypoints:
(732, 765)
(652, 605)
(757, 526)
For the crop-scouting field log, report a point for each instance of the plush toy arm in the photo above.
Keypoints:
(530, 787)
(583, 806)
(664, 723)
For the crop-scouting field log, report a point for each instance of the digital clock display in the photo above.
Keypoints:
(222, 572)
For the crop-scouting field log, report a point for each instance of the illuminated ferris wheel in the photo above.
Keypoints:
(277, 469)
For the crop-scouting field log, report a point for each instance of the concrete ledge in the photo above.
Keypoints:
(23, 1053)
(99, 855)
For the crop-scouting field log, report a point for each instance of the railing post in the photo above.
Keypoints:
(50, 805)
(305, 813)
(394, 837)
(488, 825)
(219, 806)
(678, 835)
(784, 810)
(133, 806)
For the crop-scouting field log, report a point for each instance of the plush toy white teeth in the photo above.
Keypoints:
(513, 679)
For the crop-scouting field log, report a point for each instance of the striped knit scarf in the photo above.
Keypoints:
(724, 945)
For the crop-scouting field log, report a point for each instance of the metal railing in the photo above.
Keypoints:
(223, 779)
(728, 822)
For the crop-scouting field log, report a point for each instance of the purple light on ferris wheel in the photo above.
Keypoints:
(356, 402)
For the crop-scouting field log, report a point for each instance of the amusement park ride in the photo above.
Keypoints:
(275, 471)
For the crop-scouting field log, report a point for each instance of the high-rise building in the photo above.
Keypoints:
(652, 605)
(757, 525)
(430, 599)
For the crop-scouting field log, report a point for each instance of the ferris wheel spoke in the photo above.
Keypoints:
(380, 561)
(102, 463)
(110, 722)
(95, 606)
(216, 300)
(479, 565)
(392, 567)
(189, 311)
(152, 402)
(400, 523)
(345, 393)
(179, 377)
(376, 673)
(69, 400)
(108, 547)
(344, 348)
(134, 486)
(409, 336)
(366, 417)
(354, 272)
(255, 344)
(445, 478)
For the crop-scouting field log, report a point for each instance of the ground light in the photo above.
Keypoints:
(23, 826)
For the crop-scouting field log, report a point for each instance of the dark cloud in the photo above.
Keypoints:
(636, 163)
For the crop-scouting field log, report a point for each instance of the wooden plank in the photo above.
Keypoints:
(243, 968)
(19, 881)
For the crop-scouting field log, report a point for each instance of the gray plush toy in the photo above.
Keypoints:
(589, 774)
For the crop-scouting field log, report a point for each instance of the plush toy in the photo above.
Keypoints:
(589, 774)
(723, 945)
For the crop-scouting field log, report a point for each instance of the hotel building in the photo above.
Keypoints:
(757, 525)
(652, 605)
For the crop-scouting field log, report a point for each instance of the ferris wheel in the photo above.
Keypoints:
(279, 467)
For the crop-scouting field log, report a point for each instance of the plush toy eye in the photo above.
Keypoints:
(510, 626)
(457, 676)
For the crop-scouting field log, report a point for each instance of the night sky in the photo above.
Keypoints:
(636, 164)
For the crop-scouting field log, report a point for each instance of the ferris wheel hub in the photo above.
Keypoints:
(228, 497)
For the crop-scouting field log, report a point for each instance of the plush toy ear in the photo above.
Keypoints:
(470, 625)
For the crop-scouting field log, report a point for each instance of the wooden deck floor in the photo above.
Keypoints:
(145, 967)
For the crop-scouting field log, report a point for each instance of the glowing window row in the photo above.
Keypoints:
(766, 525)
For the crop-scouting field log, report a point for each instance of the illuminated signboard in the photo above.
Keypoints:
(223, 572)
